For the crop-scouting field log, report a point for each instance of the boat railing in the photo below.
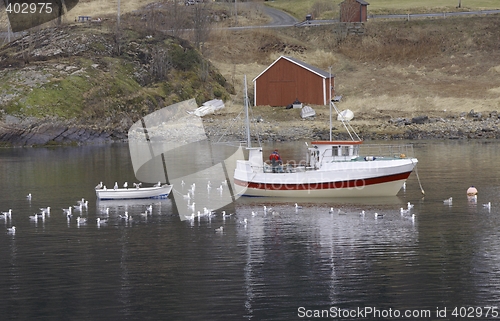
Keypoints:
(386, 150)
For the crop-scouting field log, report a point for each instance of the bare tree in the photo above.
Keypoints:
(161, 63)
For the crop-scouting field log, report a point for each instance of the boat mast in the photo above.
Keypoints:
(330, 102)
(247, 120)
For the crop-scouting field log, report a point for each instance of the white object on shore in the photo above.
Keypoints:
(307, 111)
(345, 115)
(208, 107)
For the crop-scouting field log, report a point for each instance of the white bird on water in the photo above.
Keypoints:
(81, 220)
(45, 209)
(487, 205)
(448, 201)
(11, 230)
(220, 229)
(403, 211)
(297, 207)
(28, 197)
(340, 212)
(101, 221)
(7, 214)
(410, 206)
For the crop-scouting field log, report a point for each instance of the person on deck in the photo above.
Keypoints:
(275, 161)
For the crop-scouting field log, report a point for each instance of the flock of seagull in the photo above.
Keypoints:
(82, 206)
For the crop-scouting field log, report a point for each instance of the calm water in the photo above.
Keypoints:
(161, 268)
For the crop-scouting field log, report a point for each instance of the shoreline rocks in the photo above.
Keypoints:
(16, 132)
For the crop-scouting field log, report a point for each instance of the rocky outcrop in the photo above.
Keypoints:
(41, 132)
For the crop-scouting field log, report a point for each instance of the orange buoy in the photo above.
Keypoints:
(471, 191)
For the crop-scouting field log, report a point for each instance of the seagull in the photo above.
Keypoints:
(267, 209)
(253, 213)
(220, 188)
(101, 221)
(125, 185)
(487, 205)
(106, 211)
(448, 201)
(410, 205)
(187, 196)
(99, 186)
(34, 217)
(331, 210)
(224, 215)
(42, 215)
(157, 184)
(220, 229)
(191, 206)
(362, 213)
(137, 185)
(412, 218)
(403, 211)
(7, 214)
(182, 183)
(150, 209)
(245, 221)
(45, 209)
(28, 197)
(11, 230)
(224, 182)
(297, 207)
(125, 216)
(81, 220)
(341, 212)
(377, 215)
(189, 217)
(116, 185)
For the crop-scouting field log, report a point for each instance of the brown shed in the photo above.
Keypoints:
(353, 11)
(288, 79)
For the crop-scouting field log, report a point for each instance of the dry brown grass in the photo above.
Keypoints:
(397, 69)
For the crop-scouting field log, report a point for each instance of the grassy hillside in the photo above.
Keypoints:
(98, 74)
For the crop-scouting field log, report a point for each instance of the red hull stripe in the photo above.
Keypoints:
(326, 185)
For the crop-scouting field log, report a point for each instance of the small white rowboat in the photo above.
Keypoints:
(134, 193)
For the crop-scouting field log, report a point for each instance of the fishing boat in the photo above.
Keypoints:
(333, 168)
(160, 191)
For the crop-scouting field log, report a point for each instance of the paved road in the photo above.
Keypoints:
(279, 17)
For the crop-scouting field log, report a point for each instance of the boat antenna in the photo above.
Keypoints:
(330, 99)
(247, 120)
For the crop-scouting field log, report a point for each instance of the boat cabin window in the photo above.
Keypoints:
(345, 150)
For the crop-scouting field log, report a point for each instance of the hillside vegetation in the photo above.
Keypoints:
(97, 74)
(439, 67)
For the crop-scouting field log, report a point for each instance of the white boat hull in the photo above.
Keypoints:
(352, 179)
(133, 193)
